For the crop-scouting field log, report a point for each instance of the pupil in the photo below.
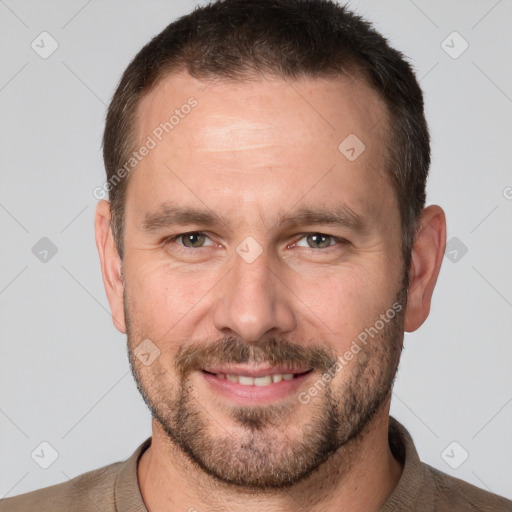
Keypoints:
(318, 240)
(193, 239)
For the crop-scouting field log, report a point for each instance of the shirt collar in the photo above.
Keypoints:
(413, 480)
(127, 496)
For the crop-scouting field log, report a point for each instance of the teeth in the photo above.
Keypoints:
(256, 381)
(246, 381)
(262, 381)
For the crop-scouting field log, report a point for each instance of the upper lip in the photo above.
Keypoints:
(254, 371)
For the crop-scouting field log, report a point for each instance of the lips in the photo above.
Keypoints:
(256, 381)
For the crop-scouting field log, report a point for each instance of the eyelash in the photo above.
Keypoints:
(340, 241)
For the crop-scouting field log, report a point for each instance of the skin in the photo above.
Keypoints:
(251, 152)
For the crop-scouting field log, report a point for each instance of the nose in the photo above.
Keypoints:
(254, 301)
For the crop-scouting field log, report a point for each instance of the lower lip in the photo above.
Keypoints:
(255, 395)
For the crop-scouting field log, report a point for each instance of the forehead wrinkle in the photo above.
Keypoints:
(236, 134)
(237, 147)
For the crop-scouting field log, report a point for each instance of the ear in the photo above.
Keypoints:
(427, 256)
(110, 264)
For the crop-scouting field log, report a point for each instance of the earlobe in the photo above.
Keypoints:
(110, 264)
(426, 259)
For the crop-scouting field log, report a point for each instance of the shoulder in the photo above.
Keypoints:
(89, 492)
(452, 494)
(423, 488)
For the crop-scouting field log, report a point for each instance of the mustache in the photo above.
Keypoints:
(195, 356)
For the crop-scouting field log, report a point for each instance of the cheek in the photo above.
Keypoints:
(161, 297)
(346, 302)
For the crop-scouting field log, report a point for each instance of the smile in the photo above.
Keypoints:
(255, 385)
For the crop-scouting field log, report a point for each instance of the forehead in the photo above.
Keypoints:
(328, 107)
(261, 141)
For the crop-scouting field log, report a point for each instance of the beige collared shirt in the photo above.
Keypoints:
(114, 488)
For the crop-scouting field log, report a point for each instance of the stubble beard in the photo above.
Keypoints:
(260, 453)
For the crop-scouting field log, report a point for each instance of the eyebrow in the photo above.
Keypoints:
(168, 215)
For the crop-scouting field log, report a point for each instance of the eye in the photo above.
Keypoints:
(318, 241)
(192, 240)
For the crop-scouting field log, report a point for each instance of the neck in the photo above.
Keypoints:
(168, 480)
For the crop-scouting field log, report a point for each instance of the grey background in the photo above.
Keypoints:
(64, 375)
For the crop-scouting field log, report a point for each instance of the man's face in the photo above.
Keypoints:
(264, 294)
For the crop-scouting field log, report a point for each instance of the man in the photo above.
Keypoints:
(264, 247)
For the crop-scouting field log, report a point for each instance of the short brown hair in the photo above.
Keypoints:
(239, 39)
